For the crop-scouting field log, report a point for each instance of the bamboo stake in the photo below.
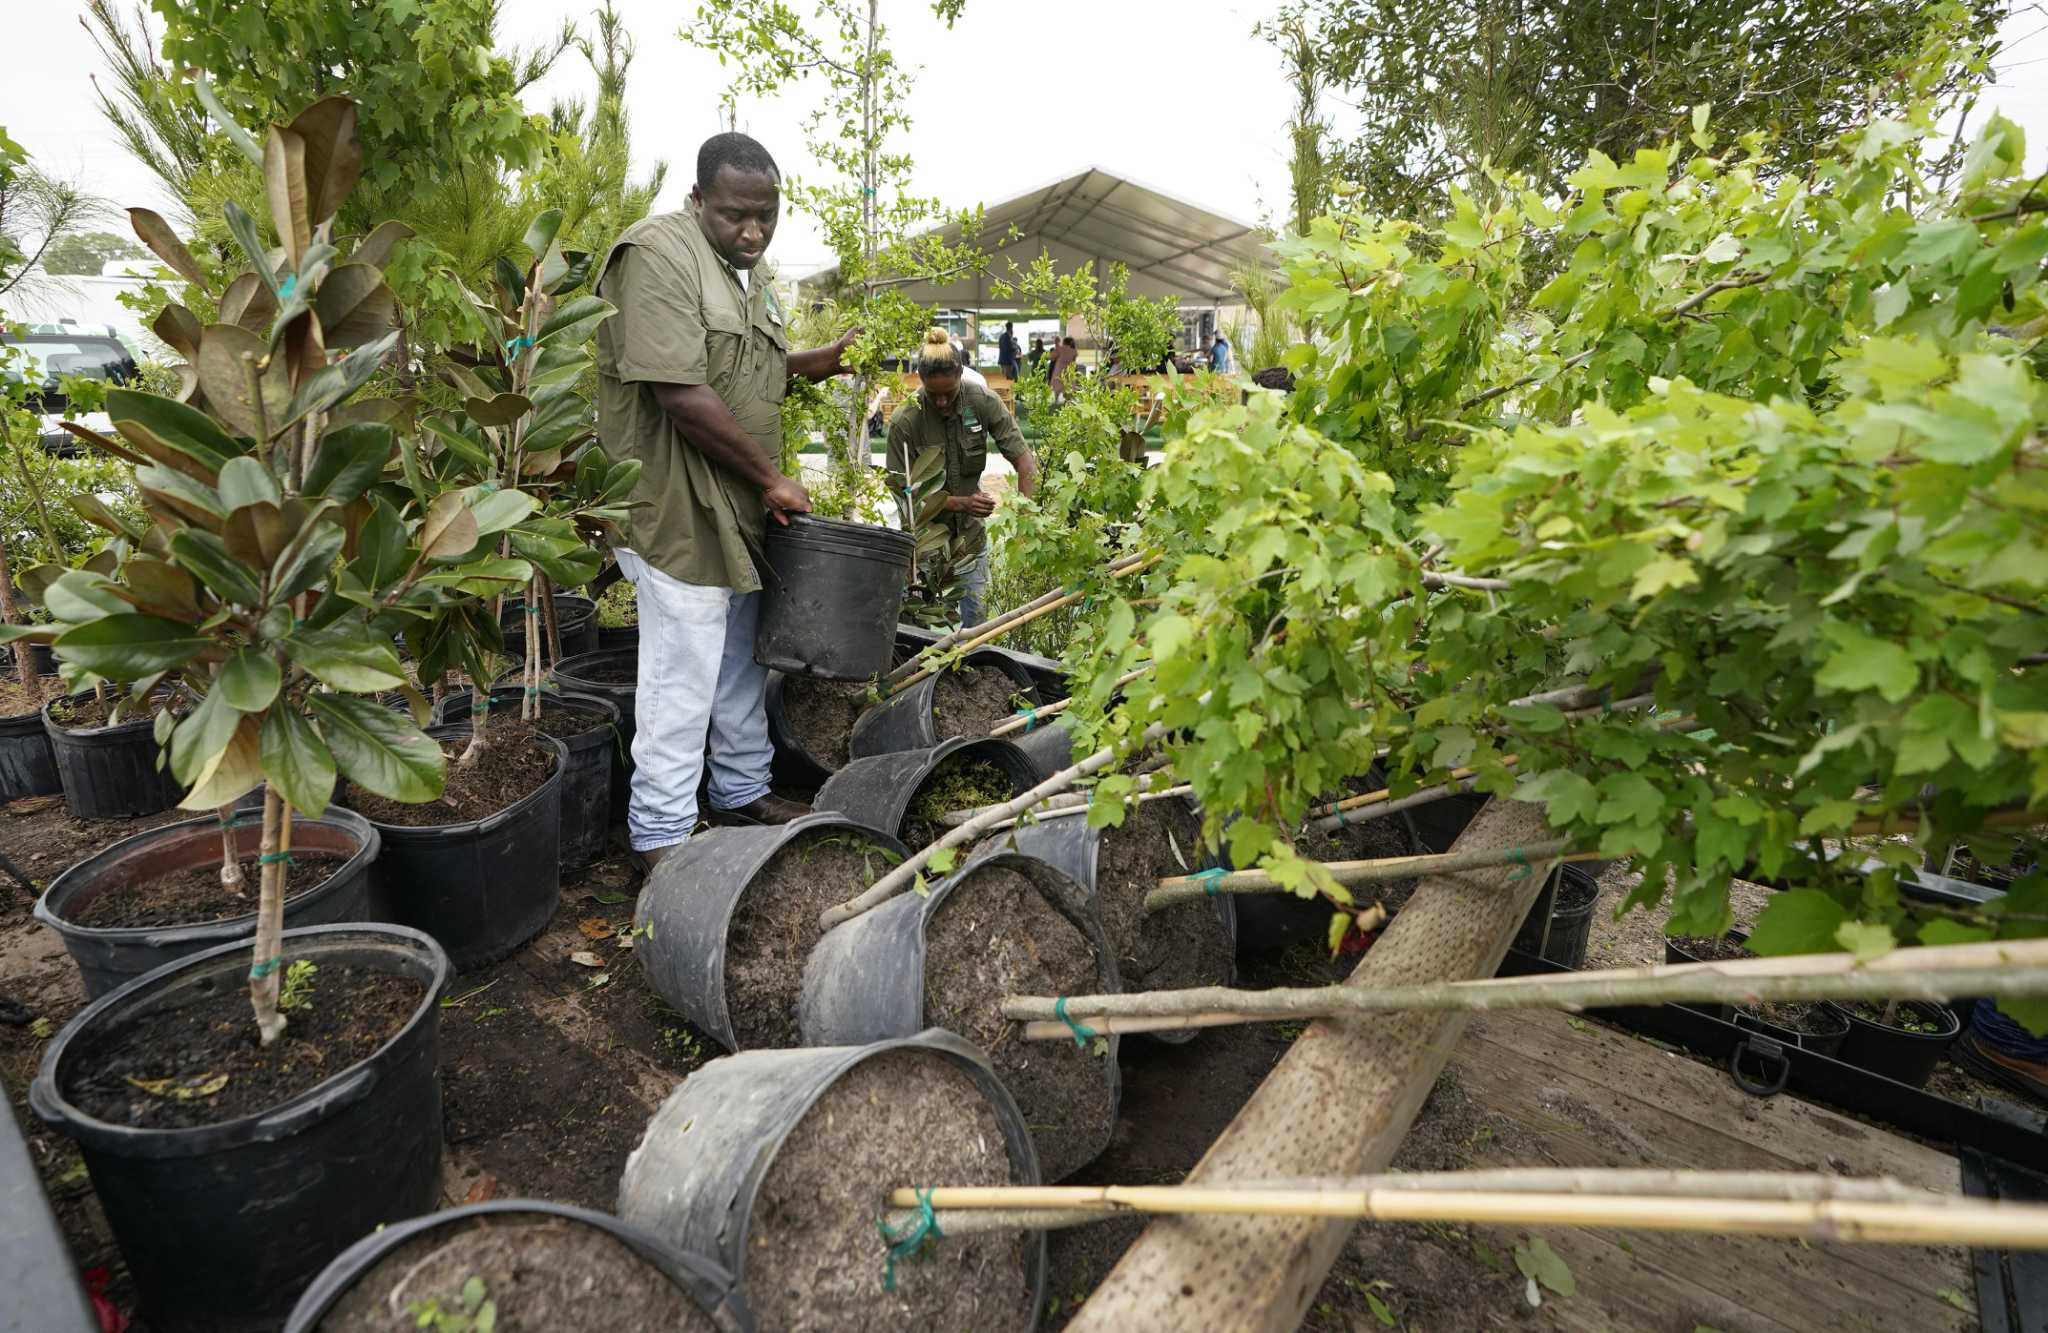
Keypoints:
(905, 874)
(1999, 969)
(1971, 1222)
(910, 672)
(1184, 888)
(1031, 717)
(1061, 807)
(981, 1215)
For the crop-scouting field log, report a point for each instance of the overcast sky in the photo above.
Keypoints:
(1175, 95)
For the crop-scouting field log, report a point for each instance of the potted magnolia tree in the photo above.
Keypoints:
(232, 1159)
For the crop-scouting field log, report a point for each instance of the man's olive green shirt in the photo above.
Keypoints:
(683, 318)
(964, 433)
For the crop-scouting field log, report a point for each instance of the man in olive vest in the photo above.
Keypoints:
(691, 375)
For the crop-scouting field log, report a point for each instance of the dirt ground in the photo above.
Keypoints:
(551, 1066)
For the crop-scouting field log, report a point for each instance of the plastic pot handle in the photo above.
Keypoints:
(350, 1088)
(170, 939)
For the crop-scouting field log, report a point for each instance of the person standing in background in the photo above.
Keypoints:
(1006, 351)
(1063, 357)
(1219, 355)
(1037, 352)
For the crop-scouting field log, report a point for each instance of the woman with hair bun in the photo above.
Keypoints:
(960, 418)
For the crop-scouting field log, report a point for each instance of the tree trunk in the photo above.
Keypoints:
(548, 617)
(1338, 1103)
(267, 959)
(24, 660)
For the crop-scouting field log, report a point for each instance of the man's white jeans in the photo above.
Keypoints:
(699, 683)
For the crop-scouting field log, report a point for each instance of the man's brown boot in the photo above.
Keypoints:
(770, 809)
(651, 858)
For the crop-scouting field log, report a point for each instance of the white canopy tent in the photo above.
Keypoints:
(1170, 246)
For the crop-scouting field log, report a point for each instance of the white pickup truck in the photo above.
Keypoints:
(56, 350)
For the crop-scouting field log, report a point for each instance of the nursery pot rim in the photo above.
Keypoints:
(105, 729)
(349, 1267)
(1952, 1025)
(564, 671)
(489, 823)
(369, 842)
(569, 697)
(291, 1116)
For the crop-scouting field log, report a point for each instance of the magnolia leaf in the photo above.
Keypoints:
(251, 240)
(349, 461)
(229, 356)
(284, 189)
(205, 555)
(76, 596)
(178, 327)
(496, 511)
(355, 305)
(332, 155)
(171, 433)
(500, 410)
(254, 534)
(231, 774)
(540, 233)
(377, 248)
(201, 735)
(344, 659)
(249, 303)
(330, 385)
(157, 234)
(159, 588)
(379, 750)
(450, 531)
(244, 481)
(96, 511)
(575, 271)
(129, 646)
(296, 761)
(249, 680)
(574, 322)
(306, 559)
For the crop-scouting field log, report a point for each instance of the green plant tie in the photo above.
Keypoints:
(1082, 1032)
(533, 689)
(1520, 862)
(232, 820)
(519, 344)
(273, 858)
(258, 971)
(1030, 716)
(1207, 879)
(487, 486)
(1606, 701)
(904, 1243)
(287, 287)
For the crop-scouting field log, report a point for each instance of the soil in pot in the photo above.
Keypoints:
(1711, 949)
(195, 895)
(19, 700)
(539, 1274)
(971, 701)
(958, 783)
(815, 1262)
(994, 936)
(201, 1063)
(819, 715)
(1808, 1018)
(1909, 1016)
(1185, 945)
(624, 672)
(775, 926)
(510, 767)
(87, 714)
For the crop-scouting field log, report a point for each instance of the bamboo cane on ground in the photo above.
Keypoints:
(998, 1210)
(1943, 1221)
(1999, 969)
(1029, 718)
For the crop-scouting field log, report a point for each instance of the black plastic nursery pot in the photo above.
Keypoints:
(1437, 824)
(575, 624)
(867, 981)
(696, 1179)
(878, 791)
(795, 765)
(829, 597)
(28, 766)
(1561, 921)
(587, 775)
(688, 903)
(905, 720)
(111, 957)
(1045, 673)
(1907, 1057)
(611, 638)
(1152, 952)
(613, 674)
(109, 772)
(222, 1225)
(1049, 748)
(700, 1282)
(1825, 1028)
(1675, 952)
(482, 887)
(42, 660)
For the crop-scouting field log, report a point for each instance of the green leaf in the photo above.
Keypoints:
(496, 511)
(251, 240)
(146, 419)
(1567, 797)
(1630, 798)
(1798, 921)
(354, 306)
(1862, 661)
(540, 233)
(331, 384)
(306, 559)
(206, 557)
(349, 461)
(2029, 1011)
(1663, 573)
(128, 647)
(378, 749)
(574, 321)
(202, 735)
(344, 659)
(231, 773)
(249, 680)
(450, 531)
(382, 556)
(77, 596)
(244, 481)
(297, 762)
(500, 410)
(1865, 939)
(1168, 634)
(1539, 1263)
